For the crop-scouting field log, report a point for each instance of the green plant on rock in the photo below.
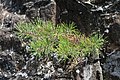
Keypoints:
(63, 39)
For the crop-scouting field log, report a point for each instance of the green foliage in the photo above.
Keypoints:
(63, 39)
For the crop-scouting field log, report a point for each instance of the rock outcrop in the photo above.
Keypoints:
(88, 15)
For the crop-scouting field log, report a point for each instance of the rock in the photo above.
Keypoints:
(111, 67)
(44, 9)
(72, 11)
(89, 15)
(89, 72)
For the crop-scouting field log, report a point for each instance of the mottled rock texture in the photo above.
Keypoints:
(89, 16)
(45, 9)
(112, 66)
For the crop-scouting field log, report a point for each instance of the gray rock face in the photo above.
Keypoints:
(112, 67)
(114, 30)
(44, 9)
(97, 70)
(88, 15)
(73, 11)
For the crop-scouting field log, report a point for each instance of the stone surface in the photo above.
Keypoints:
(112, 67)
(88, 15)
(44, 9)
(72, 11)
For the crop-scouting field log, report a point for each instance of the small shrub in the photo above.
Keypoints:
(65, 40)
